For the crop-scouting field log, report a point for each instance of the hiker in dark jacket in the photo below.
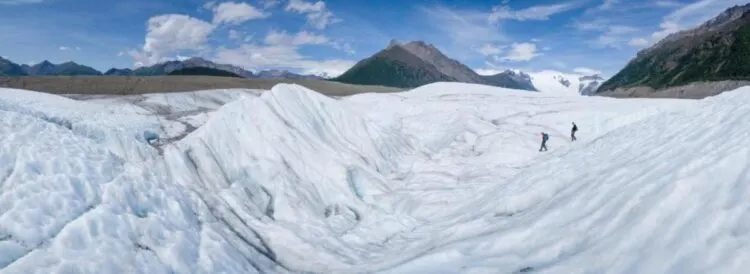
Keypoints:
(573, 132)
(545, 137)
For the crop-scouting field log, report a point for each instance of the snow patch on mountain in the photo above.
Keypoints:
(551, 81)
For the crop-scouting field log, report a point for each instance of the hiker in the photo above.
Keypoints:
(545, 137)
(573, 132)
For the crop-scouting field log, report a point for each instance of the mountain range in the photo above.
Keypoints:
(399, 65)
(717, 51)
(47, 68)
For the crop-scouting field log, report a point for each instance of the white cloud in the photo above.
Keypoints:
(256, 57)
(541, 12)
(489, 49)
(236, 13)
(466, 28)
(19, 2)
(586, 71)
(521, 52)
(638, 42)
(691, 15)
(667, 3)
(301, 38)
(345, 47)
(269, 3)
(487, 72)
(305, 38)
(66, 48)
(209, 5)
(170, 33)
(234, 34)
(317, 14)
(280, 50)
(610, 35)
(607, 4)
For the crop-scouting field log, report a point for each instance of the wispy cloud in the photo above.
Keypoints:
(236, 13)
(689, 16)
(67, 48)
(19, 2)
(541, 12)
(464, 27)
(683, 17)
(318, 15)
(490, 49)
(521, 52)
(607, 34)
(586, 71)
(638, 42)
(255, 57)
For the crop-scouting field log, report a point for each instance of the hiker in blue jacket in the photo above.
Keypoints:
(545, 137)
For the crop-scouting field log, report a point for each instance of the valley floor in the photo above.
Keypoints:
(445, 178)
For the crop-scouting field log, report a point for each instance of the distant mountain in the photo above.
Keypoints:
(8, 68)
(167, 67)
(551, 81)
(717, 50)
(203, 71)
(511, 79)
(119, 72)
(417, 63)
(394, 66)
(283, 74)
(47, 68)
(587, 85)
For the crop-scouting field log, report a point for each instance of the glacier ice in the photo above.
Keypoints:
(445, 178)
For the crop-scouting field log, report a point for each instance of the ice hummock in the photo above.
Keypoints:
(443, 178)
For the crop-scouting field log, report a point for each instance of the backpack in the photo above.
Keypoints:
(545, 137)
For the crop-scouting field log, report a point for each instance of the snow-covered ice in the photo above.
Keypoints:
(445, 178)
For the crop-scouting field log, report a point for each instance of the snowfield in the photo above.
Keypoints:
(445, 178)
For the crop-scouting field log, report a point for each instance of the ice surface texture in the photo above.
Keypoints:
(446, 178)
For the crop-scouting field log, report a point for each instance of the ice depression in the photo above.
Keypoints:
(445, 178)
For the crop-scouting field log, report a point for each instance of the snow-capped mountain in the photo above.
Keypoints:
(552, 81)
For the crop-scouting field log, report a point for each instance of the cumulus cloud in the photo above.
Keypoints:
(280, 50)
(317, 13)
(540, 12)
(170, 33)
(489, 49)
(236, 13)
(256, 57)
(521, 52)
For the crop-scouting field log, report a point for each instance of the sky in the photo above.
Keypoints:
(571, 36)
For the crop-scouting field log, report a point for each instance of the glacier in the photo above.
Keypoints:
(444, 178)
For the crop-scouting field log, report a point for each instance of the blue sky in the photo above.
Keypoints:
(330, 36)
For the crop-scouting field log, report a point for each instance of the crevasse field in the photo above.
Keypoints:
(445, 178)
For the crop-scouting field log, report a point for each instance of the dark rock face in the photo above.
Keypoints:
(717, 50)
